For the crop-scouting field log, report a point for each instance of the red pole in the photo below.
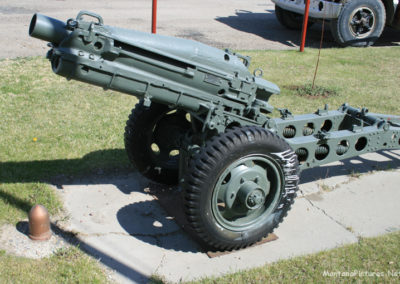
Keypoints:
(154, 17)
(305, 23)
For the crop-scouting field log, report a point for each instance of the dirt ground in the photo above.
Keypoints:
(231, 24)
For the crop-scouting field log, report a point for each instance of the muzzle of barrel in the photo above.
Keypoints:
(48, 29)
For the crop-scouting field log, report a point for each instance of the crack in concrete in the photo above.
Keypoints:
(160, 264)
(156, 236)
(330, 217)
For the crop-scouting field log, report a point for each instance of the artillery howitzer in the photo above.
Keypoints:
(203, 121)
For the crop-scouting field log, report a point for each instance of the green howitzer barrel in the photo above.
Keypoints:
(172, 71)
(203, 121)
(48, 29)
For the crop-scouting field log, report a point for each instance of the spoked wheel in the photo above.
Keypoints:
(153, 138)
(360, 23)
(239, 187)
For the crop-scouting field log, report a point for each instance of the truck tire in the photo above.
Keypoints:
(240, 186)
(290, 19)
(152, 141)
(360, 23)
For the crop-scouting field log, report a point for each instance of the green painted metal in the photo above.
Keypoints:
(327, 136)
(214, 86)
(214, 90)
(48, 29)
(246, 192)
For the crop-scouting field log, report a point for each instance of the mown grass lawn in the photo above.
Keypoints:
(371, 260)
(52, 129)
(65, 266)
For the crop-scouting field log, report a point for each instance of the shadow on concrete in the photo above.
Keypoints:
(266, 25)
(104, 258)
(358, 165)
(140, 220)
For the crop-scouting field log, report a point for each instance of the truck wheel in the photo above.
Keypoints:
(360, 23)
(290, 19)
(152, 141)
(240, 186)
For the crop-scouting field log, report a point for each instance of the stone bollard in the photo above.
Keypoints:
(39, 223)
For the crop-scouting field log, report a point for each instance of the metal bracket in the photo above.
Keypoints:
(245, 59)
(323, 111)
(285, 113)
(322, 135)
(90, 14)
(357, 128)
(90, 34)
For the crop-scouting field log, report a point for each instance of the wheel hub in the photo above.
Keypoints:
(362, 22)
(245, 181)
(246, 191)
(251, 195)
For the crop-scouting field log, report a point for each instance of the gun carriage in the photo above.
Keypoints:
(203, 121)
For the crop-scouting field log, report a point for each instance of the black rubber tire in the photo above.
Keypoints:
(290, 19)
(139, 136)
(341, 30)
(208, 164)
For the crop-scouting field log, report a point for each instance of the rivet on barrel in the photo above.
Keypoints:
(39, 223)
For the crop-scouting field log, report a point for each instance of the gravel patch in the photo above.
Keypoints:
(14, 240)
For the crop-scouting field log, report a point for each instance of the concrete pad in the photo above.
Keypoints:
(367, 206)
(332, 175)
(132, 235)
(121, 224)
(305, 230)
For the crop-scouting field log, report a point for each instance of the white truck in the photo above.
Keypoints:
(353, 22)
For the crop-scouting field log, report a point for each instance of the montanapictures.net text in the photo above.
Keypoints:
(357, 273)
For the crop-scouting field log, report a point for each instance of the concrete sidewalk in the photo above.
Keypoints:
(122, 225)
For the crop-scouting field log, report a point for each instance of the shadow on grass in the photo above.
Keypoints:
(16, 202)
(266, 25)
(109, 166)
(63, 171)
